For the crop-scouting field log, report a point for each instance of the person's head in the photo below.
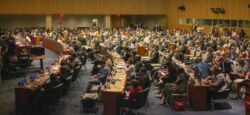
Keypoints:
(143, 70)
(73, 55)
(134, 53)
(221, 59)
(83, 48)
(138, 58)
(216, 70)
(198, 60)
(134, 83)
(102, 63)
(181, 71)
(130, 61)
(241, 62)
(168, 61)
(156, 48)
(126, 49)
(63, 63)
(53, 77)
(209, 50)
(106, 57)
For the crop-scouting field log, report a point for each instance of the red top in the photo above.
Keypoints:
(133, 92)
(248, 75)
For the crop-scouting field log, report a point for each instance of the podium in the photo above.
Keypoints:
(141, 51)
(171, 46)
(36, 40)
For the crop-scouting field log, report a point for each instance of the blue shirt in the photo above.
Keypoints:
(203, 69)
(102, 75)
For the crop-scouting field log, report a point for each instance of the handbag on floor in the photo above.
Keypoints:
(179, 105)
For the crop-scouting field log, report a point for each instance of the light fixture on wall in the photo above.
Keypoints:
(218, 10)
(182, 8)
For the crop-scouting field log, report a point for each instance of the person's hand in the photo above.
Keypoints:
(94, 76)
(164, 73)
(125, 98)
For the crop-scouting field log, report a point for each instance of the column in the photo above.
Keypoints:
(48, 21)
(107, 20)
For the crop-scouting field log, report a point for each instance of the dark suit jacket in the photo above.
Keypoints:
(226, 68)
(155, 57)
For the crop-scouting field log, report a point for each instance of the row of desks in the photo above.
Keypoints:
(24, 95)
(197, 92)
(114, 88)
(55, 46)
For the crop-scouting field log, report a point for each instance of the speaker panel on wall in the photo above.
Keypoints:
(182, 8)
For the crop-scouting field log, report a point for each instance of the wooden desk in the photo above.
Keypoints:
(22, 43)
(197, 92)
(198, 96)
(113, 93)
(38, 58)
(141, 50)
(53, 45)
(24, 95)
(36, 40)
(247, 107)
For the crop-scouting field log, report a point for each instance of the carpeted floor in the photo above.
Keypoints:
(70, 104)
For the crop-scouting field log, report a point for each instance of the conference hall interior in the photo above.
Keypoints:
(125, 57)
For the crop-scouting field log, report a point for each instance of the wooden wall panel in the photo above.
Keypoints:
(83, 6)
(235, 9)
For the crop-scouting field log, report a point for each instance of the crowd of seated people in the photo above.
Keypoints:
(226, 58)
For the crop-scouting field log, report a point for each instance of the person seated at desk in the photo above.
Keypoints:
(127, 54)
(83, 55)
(180, 86)
(231, 54)
(96, 67)
(138, 63)
(131, 94)
(178, 55)
(240, 70)
(209, 55)
(96, 50)
(100, 77)
(224, 65)
(218, 84)
(74, 60)
(11, 47)
(155, 55)
(166, 76)
(52, 82)
(155, 72)
(202, 68)
(10, 55)
(64, 70)
(130, 69)
(143, 78)
(240, 79)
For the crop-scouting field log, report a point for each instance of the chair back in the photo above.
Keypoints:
(55, 94)
(192, 53)
(66, 84)
(198, 53)
(76, 73)
(221, 94)
(141, 99)
(83, 59)
(24, 60)
(247, 84)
